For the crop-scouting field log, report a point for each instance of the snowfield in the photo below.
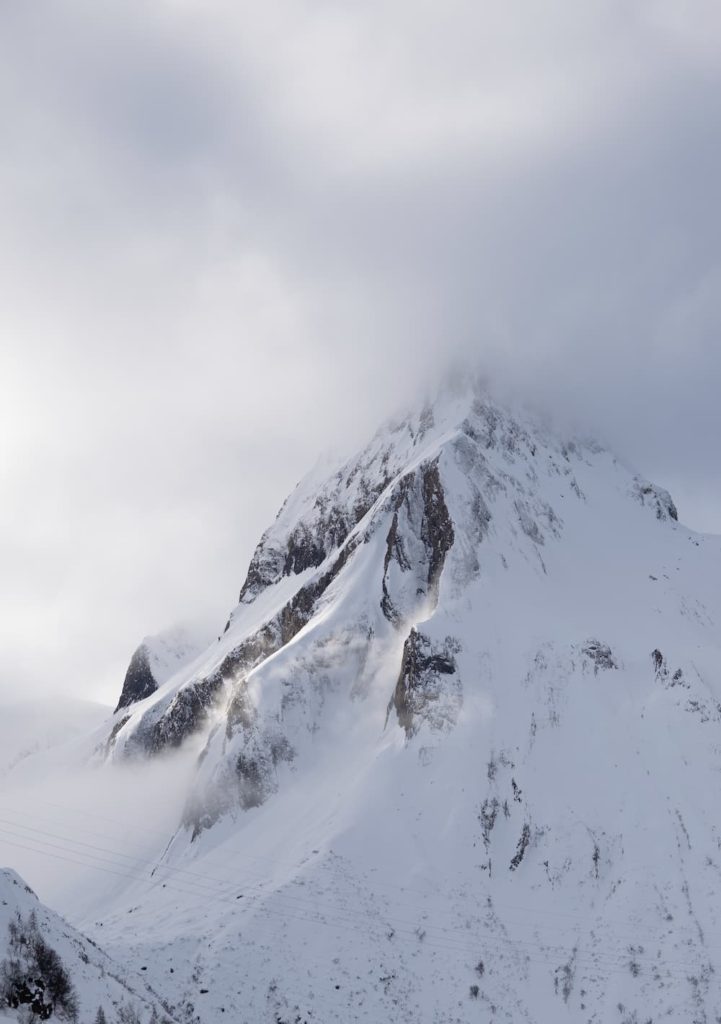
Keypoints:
(455, 757)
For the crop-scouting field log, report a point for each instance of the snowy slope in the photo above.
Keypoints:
(95, 980)
(31, 727)
(458, 748)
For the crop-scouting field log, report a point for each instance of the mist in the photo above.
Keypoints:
(80, 829)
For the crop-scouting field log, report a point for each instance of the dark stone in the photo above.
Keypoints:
(656, 498)
(308, 547)
(139, 680)
(659, 664)
(249, 653)
(189, 708)
(304, 552)
(186, 714)
(436, 533)
(394, 547)
(300, 608)
(523, 842)
(437, 527)
(421, 666)
(600, 654)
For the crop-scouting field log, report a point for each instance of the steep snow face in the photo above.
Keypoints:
(49, 970)
(456, 744)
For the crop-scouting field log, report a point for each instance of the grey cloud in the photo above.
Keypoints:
(232, 233)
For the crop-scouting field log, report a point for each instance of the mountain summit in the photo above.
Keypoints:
(465, 723)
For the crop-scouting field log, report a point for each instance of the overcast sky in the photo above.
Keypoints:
(232, 234)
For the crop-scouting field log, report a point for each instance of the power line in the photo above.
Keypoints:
(206, 881)
(202, 887)
(580, 918)
(447, 940)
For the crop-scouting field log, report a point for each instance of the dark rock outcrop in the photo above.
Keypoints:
(660, 667)
(188, 711)
(600, 655)
(309, 544)
(139, 680)
(656, 498)
(420, 514)
(185, 715)
(255, 769)
(421, 681)
(436, 528)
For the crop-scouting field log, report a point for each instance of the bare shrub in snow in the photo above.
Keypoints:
(33, 975)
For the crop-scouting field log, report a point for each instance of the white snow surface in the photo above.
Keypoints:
(526, 831)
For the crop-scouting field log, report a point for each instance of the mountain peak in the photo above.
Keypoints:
(322, 512)
(432, 506)
(476, 652)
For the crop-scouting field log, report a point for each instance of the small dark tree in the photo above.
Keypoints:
(33, 974)
(100, 1017)
(128, 1014)
(57, 981)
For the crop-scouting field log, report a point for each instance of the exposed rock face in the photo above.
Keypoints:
(170, 723)
(139, 679)
(600, 655)
(422, 693)
(659, 664)
(689, 689)
(656, 498)
(418, 541)
(436, 526)
(330, 521)
(186, 714)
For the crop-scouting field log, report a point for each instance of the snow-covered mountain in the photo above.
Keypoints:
(48, 970)
(457, 748)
